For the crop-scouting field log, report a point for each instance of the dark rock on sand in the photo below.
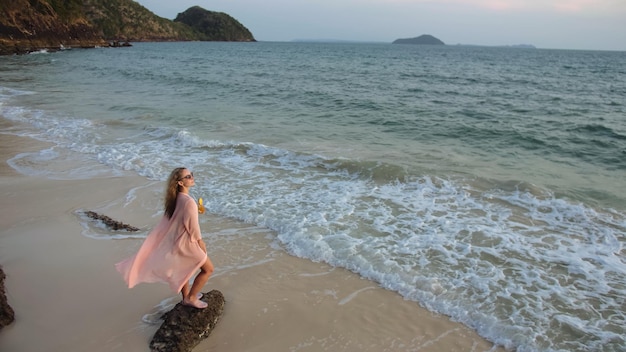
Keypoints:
(6, 312)
(185, 327)
(110, 223)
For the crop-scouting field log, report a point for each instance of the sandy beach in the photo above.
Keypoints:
(67, 295)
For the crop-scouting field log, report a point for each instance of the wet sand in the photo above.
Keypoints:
(67, 295)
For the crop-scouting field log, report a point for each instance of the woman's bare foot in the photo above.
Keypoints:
(196, 303)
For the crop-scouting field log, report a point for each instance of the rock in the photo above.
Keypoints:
(185, 327)
(110, 223)
(118, 44)
(6, 312)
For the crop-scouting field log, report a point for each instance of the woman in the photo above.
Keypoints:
(174, 249)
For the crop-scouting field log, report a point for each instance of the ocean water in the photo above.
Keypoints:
(486, 184)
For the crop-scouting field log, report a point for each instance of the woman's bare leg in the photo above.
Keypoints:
(205, 272)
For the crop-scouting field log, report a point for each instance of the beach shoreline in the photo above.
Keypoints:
(65, 291)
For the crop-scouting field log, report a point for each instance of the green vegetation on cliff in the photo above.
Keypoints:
(67, 9)
(29, 25)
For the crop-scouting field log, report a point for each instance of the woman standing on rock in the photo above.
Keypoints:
(174, 249)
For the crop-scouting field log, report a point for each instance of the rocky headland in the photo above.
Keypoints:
(214, 26)
(33, 25)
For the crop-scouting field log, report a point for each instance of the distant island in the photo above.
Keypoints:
(424, 39)
(32, 25)
(427, 39)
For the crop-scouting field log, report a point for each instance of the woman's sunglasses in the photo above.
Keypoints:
(189, 177)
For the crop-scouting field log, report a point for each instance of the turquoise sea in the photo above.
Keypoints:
(485, 184)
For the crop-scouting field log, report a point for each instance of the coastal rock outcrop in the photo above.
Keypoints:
(32, 25)
(425, 39)
(6, 312)
(185, 327)
(214, 26)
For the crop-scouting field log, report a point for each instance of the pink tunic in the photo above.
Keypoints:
(171, 252)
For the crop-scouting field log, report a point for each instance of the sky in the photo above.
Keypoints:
(549, 24)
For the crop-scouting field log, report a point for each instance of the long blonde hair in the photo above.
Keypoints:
(171, 191)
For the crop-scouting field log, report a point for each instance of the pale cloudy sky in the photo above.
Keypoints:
(555, 24)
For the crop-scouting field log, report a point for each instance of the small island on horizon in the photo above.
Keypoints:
(424, 39)
(427, 39)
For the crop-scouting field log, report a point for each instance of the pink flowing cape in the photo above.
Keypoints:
(171, 253)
